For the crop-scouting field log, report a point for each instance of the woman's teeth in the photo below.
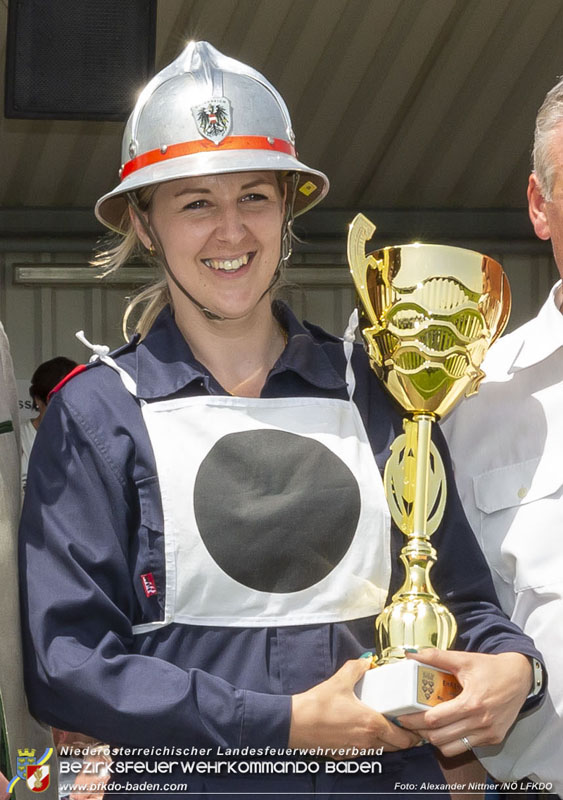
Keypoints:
(227, 264)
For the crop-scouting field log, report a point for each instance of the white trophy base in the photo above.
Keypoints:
(404, 687)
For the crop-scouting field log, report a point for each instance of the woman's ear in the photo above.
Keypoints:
(139, 228)
(537, 208)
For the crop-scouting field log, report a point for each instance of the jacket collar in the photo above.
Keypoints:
(166, 365)
(542, 336)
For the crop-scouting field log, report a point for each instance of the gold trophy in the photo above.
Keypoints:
(428, 314)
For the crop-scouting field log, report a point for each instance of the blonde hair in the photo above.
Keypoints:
(548, 119)
(116, 251)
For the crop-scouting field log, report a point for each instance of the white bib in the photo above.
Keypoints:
(274, 510)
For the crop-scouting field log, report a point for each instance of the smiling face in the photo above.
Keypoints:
(221, 235)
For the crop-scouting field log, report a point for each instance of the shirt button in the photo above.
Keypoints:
(522, 492)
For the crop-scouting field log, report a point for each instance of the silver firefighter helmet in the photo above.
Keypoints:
(206, 114)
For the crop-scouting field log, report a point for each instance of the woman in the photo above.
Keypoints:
(205, 539)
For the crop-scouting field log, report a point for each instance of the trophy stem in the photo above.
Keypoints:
(416, 618)
(423, 436)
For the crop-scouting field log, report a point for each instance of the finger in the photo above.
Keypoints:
(437, 717)
(413, 722)
(451, 733)
(352, 671)
(446, 713)
(450, 660)
(465, 743)
(456, 747)
(477, 737)
(394, 738)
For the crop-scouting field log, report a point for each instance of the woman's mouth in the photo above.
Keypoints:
(228, 264)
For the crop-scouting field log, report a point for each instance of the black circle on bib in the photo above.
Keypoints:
(276, 511)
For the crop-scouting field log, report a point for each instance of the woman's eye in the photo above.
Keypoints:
(195, 204)
(253, 197)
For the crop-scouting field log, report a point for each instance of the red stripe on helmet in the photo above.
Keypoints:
(203, 146)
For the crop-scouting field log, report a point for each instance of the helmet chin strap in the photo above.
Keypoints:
(286, 249)
(159, 250)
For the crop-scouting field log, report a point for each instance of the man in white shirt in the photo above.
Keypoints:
(507, 445)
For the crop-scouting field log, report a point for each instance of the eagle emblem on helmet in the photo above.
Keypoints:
(213, 118)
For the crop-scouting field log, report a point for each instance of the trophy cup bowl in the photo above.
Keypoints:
(428, 315)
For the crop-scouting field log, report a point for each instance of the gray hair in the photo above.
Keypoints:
(548, 119)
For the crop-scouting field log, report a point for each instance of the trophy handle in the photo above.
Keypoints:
(360, 231)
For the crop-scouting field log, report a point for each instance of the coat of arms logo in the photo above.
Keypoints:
(213, 118)
(34, 772)
(38, 777)
(428, 684)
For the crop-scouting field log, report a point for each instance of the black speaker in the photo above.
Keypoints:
(78, 59)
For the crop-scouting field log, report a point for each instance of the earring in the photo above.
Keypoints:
(152, 250)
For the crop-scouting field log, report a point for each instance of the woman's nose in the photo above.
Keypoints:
(230, 226)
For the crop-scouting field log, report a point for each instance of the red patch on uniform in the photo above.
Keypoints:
(76, 371)
(149, 584)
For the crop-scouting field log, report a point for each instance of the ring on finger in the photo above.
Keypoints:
(466, 742)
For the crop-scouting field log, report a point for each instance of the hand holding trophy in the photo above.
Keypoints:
(428, 315)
